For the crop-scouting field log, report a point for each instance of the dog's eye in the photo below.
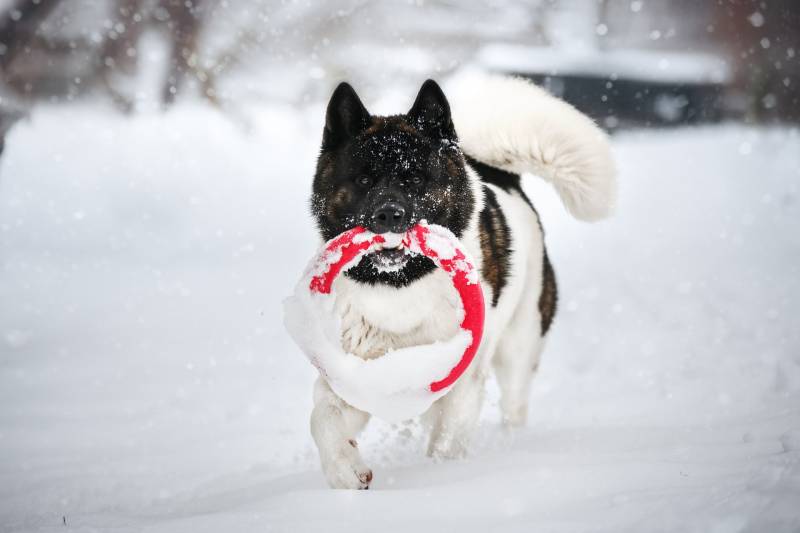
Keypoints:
(416, 180)
(364, 181)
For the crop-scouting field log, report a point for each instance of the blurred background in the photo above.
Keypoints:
(156, 164)
(625, 62)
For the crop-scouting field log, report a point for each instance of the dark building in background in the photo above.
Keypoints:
(671, 63)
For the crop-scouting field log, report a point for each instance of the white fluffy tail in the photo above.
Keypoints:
(514, 125)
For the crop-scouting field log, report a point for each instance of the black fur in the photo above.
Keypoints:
(410, 159)
(511, 183)
(507, 181)
(548, 299)
(497, 177)
(495, 238)
(346, 117)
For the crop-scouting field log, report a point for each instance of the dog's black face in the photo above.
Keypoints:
(387, 174)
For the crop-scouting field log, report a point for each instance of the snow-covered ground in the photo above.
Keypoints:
(147, 383)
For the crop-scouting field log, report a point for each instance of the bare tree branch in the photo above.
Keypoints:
(18, 26)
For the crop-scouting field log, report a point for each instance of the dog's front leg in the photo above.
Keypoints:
(334, 426)
(455, 416)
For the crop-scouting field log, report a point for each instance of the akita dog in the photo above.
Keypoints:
(460, 170)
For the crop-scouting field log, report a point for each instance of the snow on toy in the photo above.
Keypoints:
(402, 383)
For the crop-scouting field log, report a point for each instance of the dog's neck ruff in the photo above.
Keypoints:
(402, 383)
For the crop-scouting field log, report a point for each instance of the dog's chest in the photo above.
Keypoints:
(380, 318)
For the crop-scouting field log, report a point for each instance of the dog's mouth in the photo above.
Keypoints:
(391, 257)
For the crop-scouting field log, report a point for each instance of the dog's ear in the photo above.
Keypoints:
(431, 112)
(346, 117)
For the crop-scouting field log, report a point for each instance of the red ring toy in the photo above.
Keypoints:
(461, 271)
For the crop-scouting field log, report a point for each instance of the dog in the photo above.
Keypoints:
(461, 168)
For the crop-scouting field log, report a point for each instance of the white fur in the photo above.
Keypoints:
(525, 131)
(391, 374)
(514, 125)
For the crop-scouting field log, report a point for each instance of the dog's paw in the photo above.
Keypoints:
(515, 416)
(346, 471)
(442, 449)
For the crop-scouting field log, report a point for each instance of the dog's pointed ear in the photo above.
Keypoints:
(346, 116)
(431, 112)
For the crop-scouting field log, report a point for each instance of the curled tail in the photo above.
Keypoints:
(516, 126)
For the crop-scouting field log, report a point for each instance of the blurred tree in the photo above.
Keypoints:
(19, 34)
(183, 22)
(37, 60)
(763, 42)
(40, 59)
(19, 27)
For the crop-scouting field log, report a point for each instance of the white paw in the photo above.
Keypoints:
(444, 448)
(345, 470)
(516, 416)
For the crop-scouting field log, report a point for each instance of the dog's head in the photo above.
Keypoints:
(387, 174)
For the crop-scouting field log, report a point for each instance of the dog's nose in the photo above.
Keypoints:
(390, 216)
